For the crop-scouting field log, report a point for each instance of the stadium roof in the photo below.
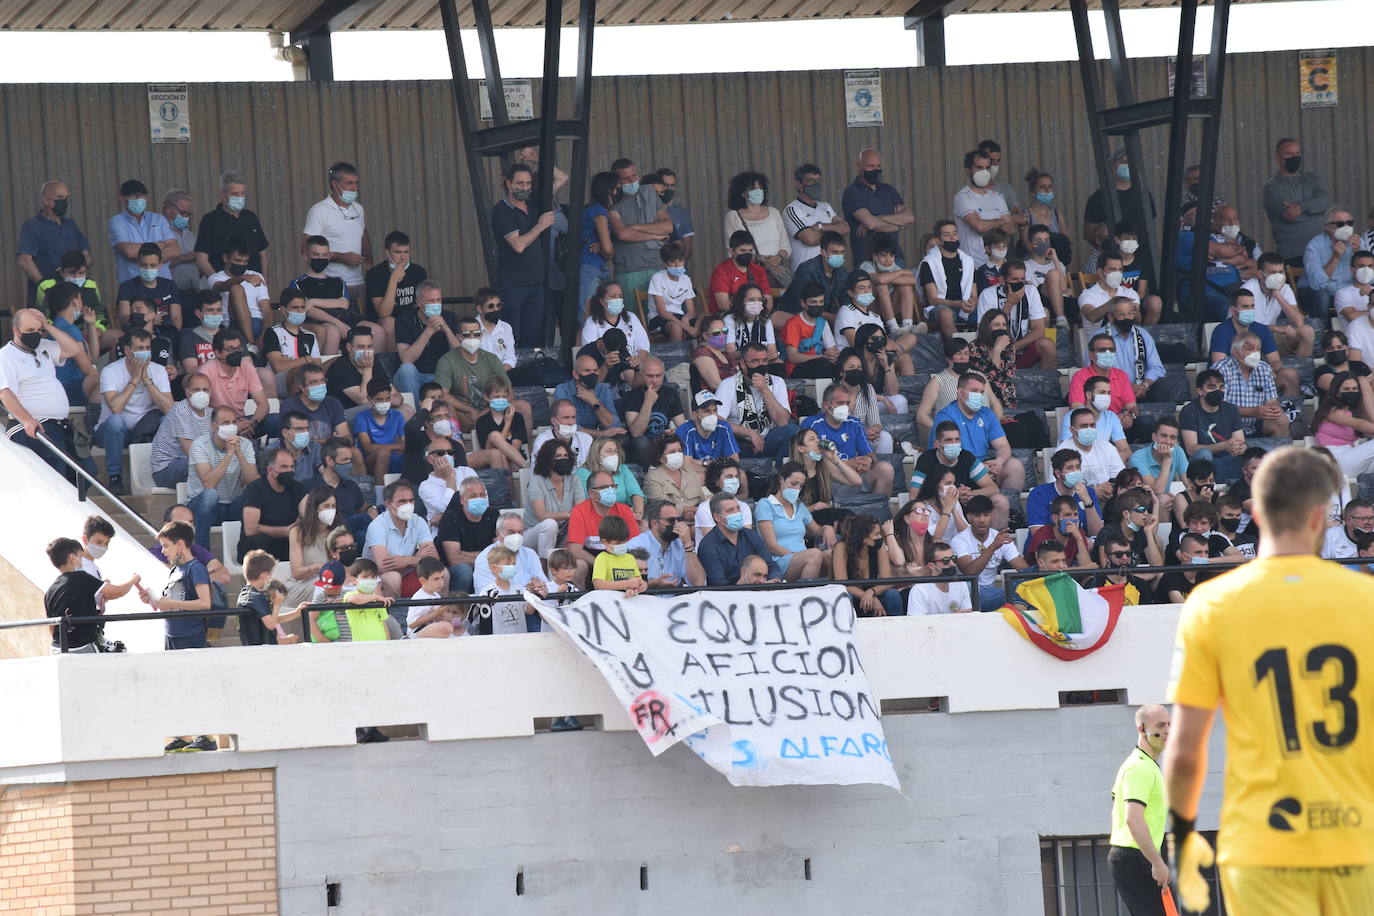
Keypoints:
(296, 16)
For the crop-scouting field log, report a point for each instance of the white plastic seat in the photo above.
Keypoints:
(141, 472)
(230, 532)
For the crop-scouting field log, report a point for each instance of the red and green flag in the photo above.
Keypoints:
(1064, 618)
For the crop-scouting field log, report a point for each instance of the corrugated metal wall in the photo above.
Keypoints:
(404, 139)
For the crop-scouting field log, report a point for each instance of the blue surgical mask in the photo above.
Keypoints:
(434, 309)
(348, 196)
(295, 319)
(143, 356)
(974, 400)
(615, 306)
(730, 485)
(77, 281)
(791, 494)
(952, 450)
(1073, 478)
(478, 505)
(676, 272)
(300, 440)
(606, 496)
(734, 521)
(1132, 526)
(316, 392)
(1045, 197)
(619, 550)
(864, 299)
(1106, 359)
(1246, 316)
(1198, 561)
(814, 456)
(499, 404)
(835, 260)
(755, 196)
(180, 222)
(237, 203)
(1086, 437)
(508, 571)
(212, 321)
(1123, 172)
(148, 273)
(631, 189)
(137, 205)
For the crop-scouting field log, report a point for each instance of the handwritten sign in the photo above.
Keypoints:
(766, 687)
(1317, 85)
(863, 98)
(169, 113)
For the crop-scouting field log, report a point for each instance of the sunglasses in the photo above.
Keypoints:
(1139, 509)
(441, 453)
(1341, 222)
(1120, 554)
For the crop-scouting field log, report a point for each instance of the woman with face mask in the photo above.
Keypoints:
(852, 375)
(673, 476)
(939, 494)
(993, 355)
(822, 467)
(607, 455)
(785, 523)
(550, 495)
(884, 362)
(307, 540)
(908, 539)
(608, 308)
(711, 364)
(747, 200)
(748, 322)
(1346, 413)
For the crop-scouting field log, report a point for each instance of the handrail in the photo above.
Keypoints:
(1010, 578)
(85, 479)
(63, 624)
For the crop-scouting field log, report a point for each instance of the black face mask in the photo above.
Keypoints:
(348, 556)
(286, 478)
(137, 321)
(1124, 326)
(958, 368)
(1349, 399)
(588, 380)
(815, 311)
(951, 247)
(319, 264)
(667, 194)
(874, 344)
(669, 534)
(745, 259)
(1229, 524)
(1000, 332)
(854, 377)
(873, 175)
(59, 207)
(1214, 398)
(492, 316)
(1016, 286)
(236, 270)
(1291, 164)
(233, 359)
(562, 466)
(31, 340)
(1336, 357)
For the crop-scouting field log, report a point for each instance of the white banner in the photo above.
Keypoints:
(766, 687)
(169, 113)
(863, 98)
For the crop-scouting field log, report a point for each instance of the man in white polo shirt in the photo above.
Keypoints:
(339, 218)
(1092, 302)
(29, 388)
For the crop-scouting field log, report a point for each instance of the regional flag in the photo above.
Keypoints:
(1065, 619)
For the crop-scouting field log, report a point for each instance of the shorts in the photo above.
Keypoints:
(1028, 358)
(961, 321)
(349, 316)
(1254, 890)
(656, 324)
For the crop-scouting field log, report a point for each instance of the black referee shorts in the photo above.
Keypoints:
(1131, 874)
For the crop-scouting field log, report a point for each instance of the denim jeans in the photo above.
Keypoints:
(174, 473)
(991, 597)
(116, 431)
(591, 277)
(408, 378)
(893, 603)
(209, 512)
(1227, 466)
(460, 578)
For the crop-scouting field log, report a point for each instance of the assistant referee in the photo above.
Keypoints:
(1138, 811)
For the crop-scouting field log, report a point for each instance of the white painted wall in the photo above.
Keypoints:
(120, 707)
(40, 505)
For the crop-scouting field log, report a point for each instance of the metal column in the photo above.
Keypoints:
(1128, 117)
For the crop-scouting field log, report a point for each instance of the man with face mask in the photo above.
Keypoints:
(640, 225)
(705, 438)
(1066, 466)
(1101, 462)
(468, 524)
(943, 386)
(1241, 316)
(871, 206)
(1357, 518)
(465, 370)
(1353, 300)
(136, 395)
(980, 206)
(1276, 305)
(399, 538)
(337, 460)
(271, 505)
(424, 334)
(585, 520)
(1102, 362)
(29, 388)
(725, 547)
(1064, 533)
(667, 538)
(47, 235)
(341, 220)
(134, 225)
(1294, 200)
(754, 403)
(445, 478)
(522, 254)
(234, 379)
(808, 217)
(186, 421)
(825, 269)
(1327, 260)
(221, 466)
(1138, 815)
(946, 278)
(1250, 385)
(1212, 429)
(940, 596)
(1094, 302)
(971, 476)
(593, 398)
(981, 432)
(841, 433)
(1096, 221)
(510, 533)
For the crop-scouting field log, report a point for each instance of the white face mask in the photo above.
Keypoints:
(1343, 233)
(1230, 231)
(610, 462)
(1112, 279)
(326, 516)
(1252, 359)
(1102, 401)
(513, 542)
(471, 344)
(1129, 246)
(1364, 275)
(997, 254)
(981, 177)
(1275, 281)
(673, 460)
(709, 423)
(443, 428)
(405, 512)
(199, 400)
(227, 431)
(567, 432)
(96, 550)
(840, 412)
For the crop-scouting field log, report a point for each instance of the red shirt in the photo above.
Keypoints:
(727, 277)
(584, 521)
(1122, 392)
(1046, 533)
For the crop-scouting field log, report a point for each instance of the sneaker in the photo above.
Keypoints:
(891, 325)
(565, 724)
(175, 745)
(1062, 321)
(203, 743)
(117, 486)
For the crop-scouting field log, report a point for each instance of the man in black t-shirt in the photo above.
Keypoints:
(467, 526)
(1116, 554)
(663, 413)
(390, 285)
(423, 335)
(74, 593)
(1210, 427)
(328, 308)
(347, 376)
(271, 505)
(1175, 586)
(230, 220)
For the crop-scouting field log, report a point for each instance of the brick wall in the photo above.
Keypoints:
(203, 843)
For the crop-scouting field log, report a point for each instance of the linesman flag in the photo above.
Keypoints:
(1065, 619)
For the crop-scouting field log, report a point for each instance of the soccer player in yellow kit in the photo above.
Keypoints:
(1286, 643)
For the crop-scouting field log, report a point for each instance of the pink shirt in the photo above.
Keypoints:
(1330, 434)
(1122, 392)
(232, 386)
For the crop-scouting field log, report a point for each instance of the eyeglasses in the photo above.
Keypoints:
(1119, 554)
(1361, 518)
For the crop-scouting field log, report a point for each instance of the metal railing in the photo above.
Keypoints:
(64, 624)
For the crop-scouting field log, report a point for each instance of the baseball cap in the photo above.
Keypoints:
(331, 578)
(131, 187)
(704, 397)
